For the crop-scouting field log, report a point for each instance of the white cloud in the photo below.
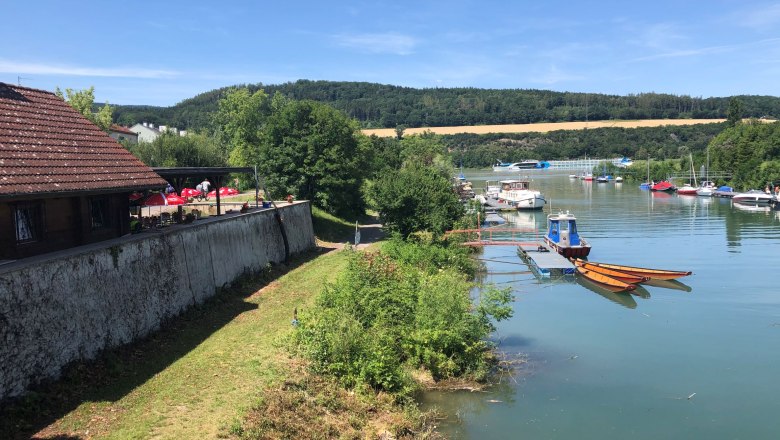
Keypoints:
(10, 66)
(394, 43)
(707, 50)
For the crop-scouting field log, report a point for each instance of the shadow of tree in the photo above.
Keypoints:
(117, 372)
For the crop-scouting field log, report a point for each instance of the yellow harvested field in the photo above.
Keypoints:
(543, 127)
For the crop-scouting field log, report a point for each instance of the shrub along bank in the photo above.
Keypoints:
(389, 314)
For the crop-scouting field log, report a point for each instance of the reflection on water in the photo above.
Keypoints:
(600, 371)
(622, 298)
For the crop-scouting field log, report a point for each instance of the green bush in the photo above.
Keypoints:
(389, 313)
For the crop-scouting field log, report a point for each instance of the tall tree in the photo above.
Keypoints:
(239, 121)
(315, 152)
(172, 150)
(735, 110)
(83, 101)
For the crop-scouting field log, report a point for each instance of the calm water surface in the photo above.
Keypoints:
(604, 365)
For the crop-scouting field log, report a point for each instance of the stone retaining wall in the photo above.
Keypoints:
(70, 305)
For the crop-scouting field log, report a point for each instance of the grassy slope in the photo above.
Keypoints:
(207, 389)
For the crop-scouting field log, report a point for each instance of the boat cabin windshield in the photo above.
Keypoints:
(509, 185)
(563, 229)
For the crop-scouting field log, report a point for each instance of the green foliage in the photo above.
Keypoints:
(751, 151)
(735, 110)
(476, 151)
(314, 152)
(83, 101)
(416, 198)
(172, 150)
(379, 105)
(431, 255)
(239, 121)
(387, 313)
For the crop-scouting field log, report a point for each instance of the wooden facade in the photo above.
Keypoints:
(63, 181)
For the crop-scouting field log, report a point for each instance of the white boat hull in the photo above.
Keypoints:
(757, 199)
(536, 201)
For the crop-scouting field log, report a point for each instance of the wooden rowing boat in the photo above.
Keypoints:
(622, 276)
(611, 283)
(653, 274)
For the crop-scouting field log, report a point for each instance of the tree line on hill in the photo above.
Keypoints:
(386, 106)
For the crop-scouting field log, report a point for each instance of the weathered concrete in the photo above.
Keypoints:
(70, 305)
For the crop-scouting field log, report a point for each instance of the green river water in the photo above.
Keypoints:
(700, 360)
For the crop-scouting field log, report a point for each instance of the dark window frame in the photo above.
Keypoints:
(28, 219)
(103, 205)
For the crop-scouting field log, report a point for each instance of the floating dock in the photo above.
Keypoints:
(545, 260)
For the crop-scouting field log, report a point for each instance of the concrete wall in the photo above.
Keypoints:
(71, 305)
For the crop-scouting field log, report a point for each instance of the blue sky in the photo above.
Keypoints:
(161, 52)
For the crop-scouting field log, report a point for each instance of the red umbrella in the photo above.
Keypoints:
(135, 196)
(173, 199)
(224, 191)
(159, 199)
(189, 192)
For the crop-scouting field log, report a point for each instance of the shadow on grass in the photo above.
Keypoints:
(117, 372)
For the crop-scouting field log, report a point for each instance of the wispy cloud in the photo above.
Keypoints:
(393, 43)
(10, 66)
(765, 18)
(706, 50)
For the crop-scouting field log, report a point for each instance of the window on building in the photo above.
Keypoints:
(28, 221)
(100, 213)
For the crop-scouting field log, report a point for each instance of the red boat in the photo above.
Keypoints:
(663, 186)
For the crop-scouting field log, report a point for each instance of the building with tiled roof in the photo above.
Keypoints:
(63, 181)
(123, 133)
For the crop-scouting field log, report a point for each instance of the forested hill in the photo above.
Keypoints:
(386, 106)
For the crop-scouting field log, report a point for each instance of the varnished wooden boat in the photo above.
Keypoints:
(622, 276)
(653, 274)
(609, 282)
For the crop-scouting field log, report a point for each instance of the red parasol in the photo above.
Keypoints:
(135, 196)
(224, 191)
(189, 192)
(159, 199)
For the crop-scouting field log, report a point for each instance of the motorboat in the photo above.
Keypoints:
(516, 166)
(619, 179)
(724, 191)
(663, 186)
(706, 189)
(754, 196)
(562, 236)
(518, 194)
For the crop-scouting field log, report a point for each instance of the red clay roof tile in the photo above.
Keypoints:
(46, 146)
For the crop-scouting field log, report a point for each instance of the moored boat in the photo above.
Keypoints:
(563, 237)
(687, 190)
(653, 274)
(516, 166)
(519, 195)
(724, 191)
(754, 196)
(706, 189)
(622, 276)
(613, 284)
(663, 186)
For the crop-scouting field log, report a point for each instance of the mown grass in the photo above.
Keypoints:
(328, 227)
(196, 378)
